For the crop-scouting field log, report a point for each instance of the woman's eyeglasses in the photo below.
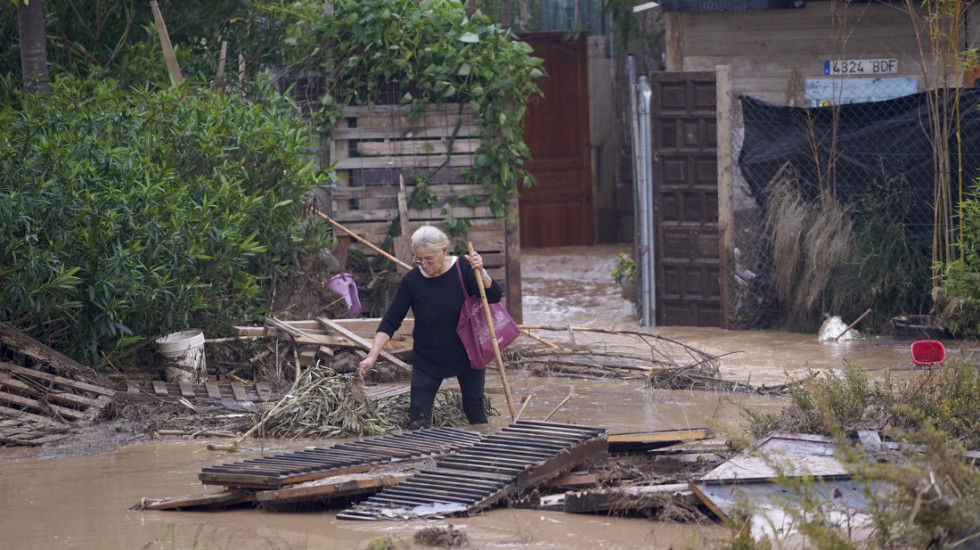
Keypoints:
(423, 263)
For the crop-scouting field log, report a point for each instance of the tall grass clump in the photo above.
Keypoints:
(842, 255)
(128, 213)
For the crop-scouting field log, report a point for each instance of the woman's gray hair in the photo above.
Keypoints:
(429, 237)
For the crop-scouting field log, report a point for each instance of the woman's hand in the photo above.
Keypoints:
(365, 365)
(476, 262)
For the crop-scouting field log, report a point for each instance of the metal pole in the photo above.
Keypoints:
(638, 232)
(645, 166)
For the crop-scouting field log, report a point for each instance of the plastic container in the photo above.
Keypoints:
(345, 285)
(928, 352)
(183, 356)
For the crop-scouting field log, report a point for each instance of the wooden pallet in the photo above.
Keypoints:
(223, 391)
(38, 407)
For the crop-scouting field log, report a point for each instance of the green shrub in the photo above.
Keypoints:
(130, 213)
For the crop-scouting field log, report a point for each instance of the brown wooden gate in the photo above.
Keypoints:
(558, 210)
(685, 179)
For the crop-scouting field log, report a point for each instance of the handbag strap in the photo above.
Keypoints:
(460, 273)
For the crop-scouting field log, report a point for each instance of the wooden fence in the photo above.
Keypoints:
(376, 147)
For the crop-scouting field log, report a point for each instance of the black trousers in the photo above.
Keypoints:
(425, 387)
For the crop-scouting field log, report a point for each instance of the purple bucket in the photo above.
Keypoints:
(344, 284)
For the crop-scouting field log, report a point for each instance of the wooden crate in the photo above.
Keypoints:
(375, 147)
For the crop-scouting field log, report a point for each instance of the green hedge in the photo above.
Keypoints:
(126, 214)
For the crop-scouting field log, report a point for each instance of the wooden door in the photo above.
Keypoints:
(685, 180)
(558, 210)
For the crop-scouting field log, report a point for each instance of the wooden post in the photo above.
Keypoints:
(674, 42)
(512, 260)
(168, 49)
(726, 216)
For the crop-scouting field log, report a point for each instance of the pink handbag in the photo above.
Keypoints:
(474, 332)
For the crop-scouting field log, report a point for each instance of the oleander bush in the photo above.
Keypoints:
(128, 213)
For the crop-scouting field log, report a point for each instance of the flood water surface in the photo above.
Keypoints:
(82, 501)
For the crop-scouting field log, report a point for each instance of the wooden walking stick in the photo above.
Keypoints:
(493, 340)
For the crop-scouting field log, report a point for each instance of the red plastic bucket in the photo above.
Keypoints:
(928, 352)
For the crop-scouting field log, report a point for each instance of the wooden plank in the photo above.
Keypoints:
(186, 388)
(199, 502)
(362, 342)
(655, 440)
(159, 387)
(418, 147)
(23, 343)
(347, 485)
(342, 136)
(213, 391)
(624, 498)
(264, 391)
(60, 396)
(388, 176)
(26, 417)
(354, 163)
(239, 390)
(256, 332)
(84, 386)
(39, 407)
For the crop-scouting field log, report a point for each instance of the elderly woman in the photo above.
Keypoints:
(434, 292)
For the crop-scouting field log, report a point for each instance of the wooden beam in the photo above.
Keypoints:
(17, 369)
(726, 215)
(362, 342)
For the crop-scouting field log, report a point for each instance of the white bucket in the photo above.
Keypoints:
(183, 356)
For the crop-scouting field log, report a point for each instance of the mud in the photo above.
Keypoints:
(76, 496)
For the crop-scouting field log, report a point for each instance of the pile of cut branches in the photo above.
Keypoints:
(326, 404)
(664, 363)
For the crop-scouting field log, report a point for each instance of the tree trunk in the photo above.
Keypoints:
(33, 51)
(506, 13)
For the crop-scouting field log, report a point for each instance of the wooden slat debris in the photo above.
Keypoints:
(329, 323)
(518, 457)
(335, 486)
(212, 501)
(644, 441)
(40, 407)
(622, 499)
(17, 340)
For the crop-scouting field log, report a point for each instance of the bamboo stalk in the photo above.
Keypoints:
(493, 340)
(850, 326)
(362, 240)
(571, 392)
(168, 50)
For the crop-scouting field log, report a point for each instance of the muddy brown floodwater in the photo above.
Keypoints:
(81, 501)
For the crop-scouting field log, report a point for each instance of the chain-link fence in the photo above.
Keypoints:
(845, 205)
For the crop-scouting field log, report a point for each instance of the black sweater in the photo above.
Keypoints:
(435, 303)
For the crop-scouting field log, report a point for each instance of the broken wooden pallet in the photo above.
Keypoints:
(354, 457)
(216, 391)
(518, 457)
(38, 407)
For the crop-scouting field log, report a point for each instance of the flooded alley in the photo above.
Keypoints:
(81, 501)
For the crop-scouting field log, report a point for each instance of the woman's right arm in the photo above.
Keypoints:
(380, 339)
(389, 324)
